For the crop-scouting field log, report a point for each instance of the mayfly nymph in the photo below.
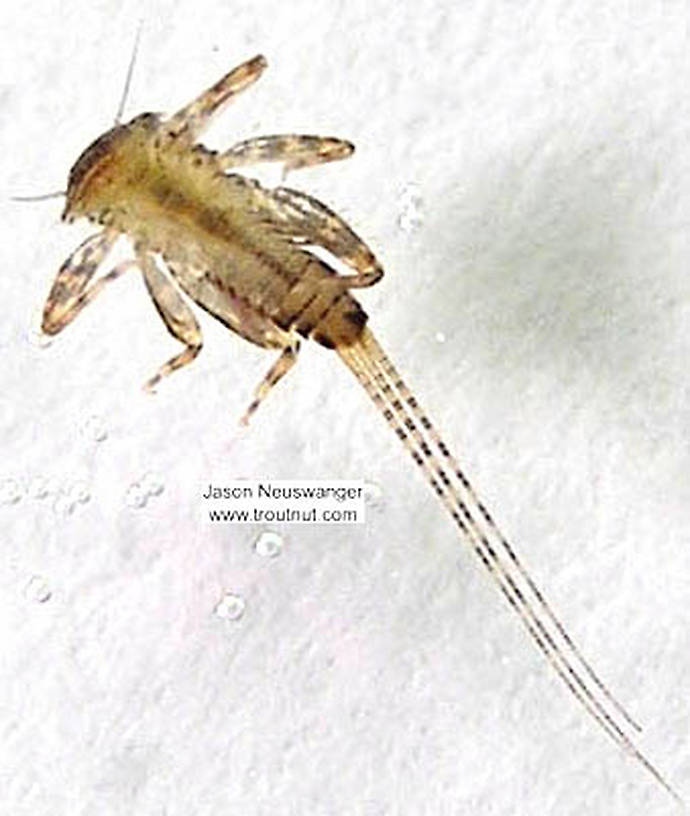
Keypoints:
(244, 253)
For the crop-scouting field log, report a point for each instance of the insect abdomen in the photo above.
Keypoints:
(226, 229)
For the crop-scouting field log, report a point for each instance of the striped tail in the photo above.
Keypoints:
(395, 401)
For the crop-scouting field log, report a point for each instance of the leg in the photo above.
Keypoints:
(177, 316)
(69, 293)
(277, 371)
(293, 150)
(234, 312)
(194, 117)
(309, 221)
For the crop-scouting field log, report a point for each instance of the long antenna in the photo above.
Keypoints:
(43, 197)
(128, 78)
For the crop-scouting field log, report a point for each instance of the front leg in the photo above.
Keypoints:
(70, 292)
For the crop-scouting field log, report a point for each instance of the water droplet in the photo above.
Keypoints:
(37, 590)
(151, 484)
(411, 206)
(94, 428)
(230, 607)
(136, 497)
(10, 491)
(269, 544)
(39, 488)
(63, 505)
(374, 496)
(79, 493)
(53, 486)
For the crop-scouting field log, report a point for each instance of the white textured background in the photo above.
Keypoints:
(540, 307)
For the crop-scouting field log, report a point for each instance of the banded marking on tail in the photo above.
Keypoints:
(396, 403)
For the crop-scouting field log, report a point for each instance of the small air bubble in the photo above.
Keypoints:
(151, 484)
(230, 607)
(269, 544)
(39, 488)
(411, 206)
(374, 496)
(37, 590)
(139, 492)
(52, 486)
(79, 493)
(94, 428)
(440, 337)
(136, 497)
(10, 491)
(63, 505)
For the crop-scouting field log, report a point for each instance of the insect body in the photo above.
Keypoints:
(243, 253)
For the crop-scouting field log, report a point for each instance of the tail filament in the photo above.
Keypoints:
(400, 409)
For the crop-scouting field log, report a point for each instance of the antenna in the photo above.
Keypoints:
(128, 78)
(118, 116)
(43, 197)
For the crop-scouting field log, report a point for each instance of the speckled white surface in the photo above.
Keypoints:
(540, 308)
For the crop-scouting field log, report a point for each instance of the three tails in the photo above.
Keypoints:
(401, 411)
